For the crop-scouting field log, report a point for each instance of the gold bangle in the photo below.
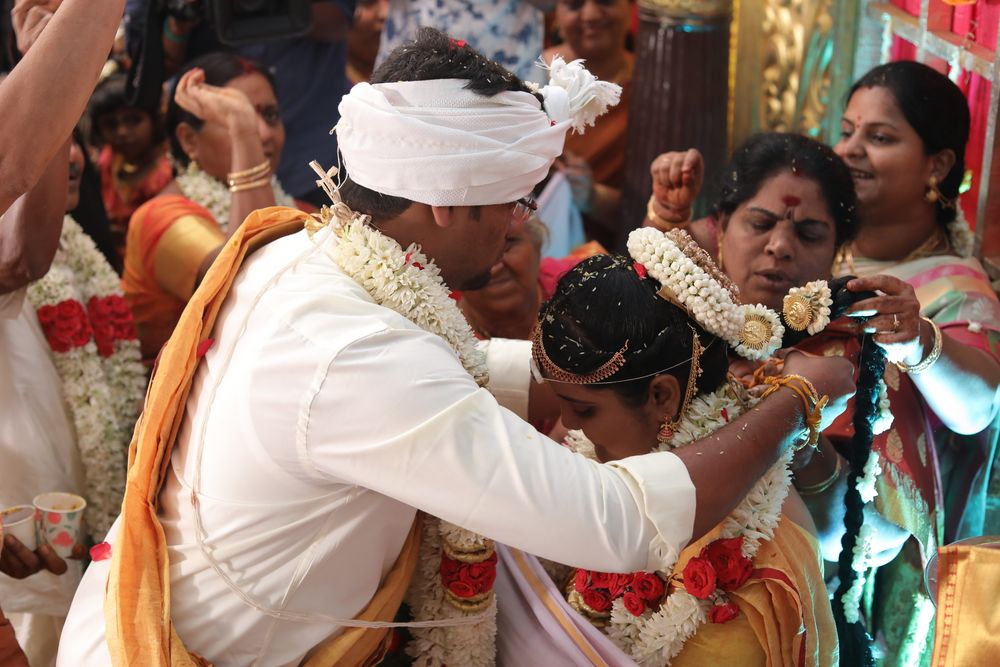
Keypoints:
(259, 183)
(820, 487)
(929, 360)
(812, 403)
(235, 177)
(660, 220)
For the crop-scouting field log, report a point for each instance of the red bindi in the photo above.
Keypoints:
(790, 201)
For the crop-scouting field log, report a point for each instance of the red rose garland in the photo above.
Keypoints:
(598, 591)
(721, 566)
(468, 580)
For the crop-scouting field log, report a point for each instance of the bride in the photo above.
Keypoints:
(636, 348)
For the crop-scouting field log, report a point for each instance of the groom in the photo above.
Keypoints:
(336, 397)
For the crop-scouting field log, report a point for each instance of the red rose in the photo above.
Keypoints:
(731, 567)
(480, 575)
(635, 604)
(699, 578)
(648, 586)
(597, 600)
(581, 581)
(600, 580)
(619, 582)
(461, 589)
(65, 325)
(723, 613)
(47, 315)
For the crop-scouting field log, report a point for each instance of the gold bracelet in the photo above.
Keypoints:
(820, 487)
(812, 403)
(251, 185)
(235, 177)
(660, 220)
(929, 360)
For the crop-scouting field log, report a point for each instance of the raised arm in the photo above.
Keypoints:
(29, 229)
(44, 96)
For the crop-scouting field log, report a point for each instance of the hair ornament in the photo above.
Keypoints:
(640, 270)
(807, 308)
(555, 372)
(691, 280)
(574, 94)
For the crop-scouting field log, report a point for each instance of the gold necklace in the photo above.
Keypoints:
(935, 244)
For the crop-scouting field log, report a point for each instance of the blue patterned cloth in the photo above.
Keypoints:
(507, 31)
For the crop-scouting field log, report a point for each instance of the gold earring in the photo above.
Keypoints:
(718, 242)
(670, 426)
(932, 194)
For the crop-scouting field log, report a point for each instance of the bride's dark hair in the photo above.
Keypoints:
(603, 302)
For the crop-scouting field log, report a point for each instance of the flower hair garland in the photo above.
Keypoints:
(576, 95)
(94, 348)
(671, 258)
(457, 568)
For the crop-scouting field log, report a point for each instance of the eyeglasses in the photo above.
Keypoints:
(523, 209)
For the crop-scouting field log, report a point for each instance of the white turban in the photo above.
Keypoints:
(436, 143)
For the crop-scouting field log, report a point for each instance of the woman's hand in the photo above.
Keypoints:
(227, 107)
(677, 180)
(893, 316)
(29, 18)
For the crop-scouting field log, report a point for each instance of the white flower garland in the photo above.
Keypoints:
(656, 637)
(883, 422)
(864, 544)
(205, 190)
(409, 283)
(754, 331)
(960, 234)
(104, 394)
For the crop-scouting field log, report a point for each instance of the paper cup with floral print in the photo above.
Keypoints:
(59, 517)
(19, 521)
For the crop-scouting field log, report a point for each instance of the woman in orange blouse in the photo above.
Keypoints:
(225, 128)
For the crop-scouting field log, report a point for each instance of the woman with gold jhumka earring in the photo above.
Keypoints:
(640, 363)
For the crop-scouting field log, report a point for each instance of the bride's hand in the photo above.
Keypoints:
(227, 107)
(893, 316)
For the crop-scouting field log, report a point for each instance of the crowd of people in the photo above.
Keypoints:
(388, 392)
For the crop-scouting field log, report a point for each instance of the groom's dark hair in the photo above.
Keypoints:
(433, 55)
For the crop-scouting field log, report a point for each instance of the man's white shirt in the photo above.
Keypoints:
(318, 423)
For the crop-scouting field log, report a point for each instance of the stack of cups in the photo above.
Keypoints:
(54, 518)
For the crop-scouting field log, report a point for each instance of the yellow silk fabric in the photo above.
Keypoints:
(785, 616)
(181, 251)
(968, 614)
(139, 630)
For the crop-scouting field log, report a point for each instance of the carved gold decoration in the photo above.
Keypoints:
(798, 311)
(756, 332)
(796, 75)
(795, 61)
